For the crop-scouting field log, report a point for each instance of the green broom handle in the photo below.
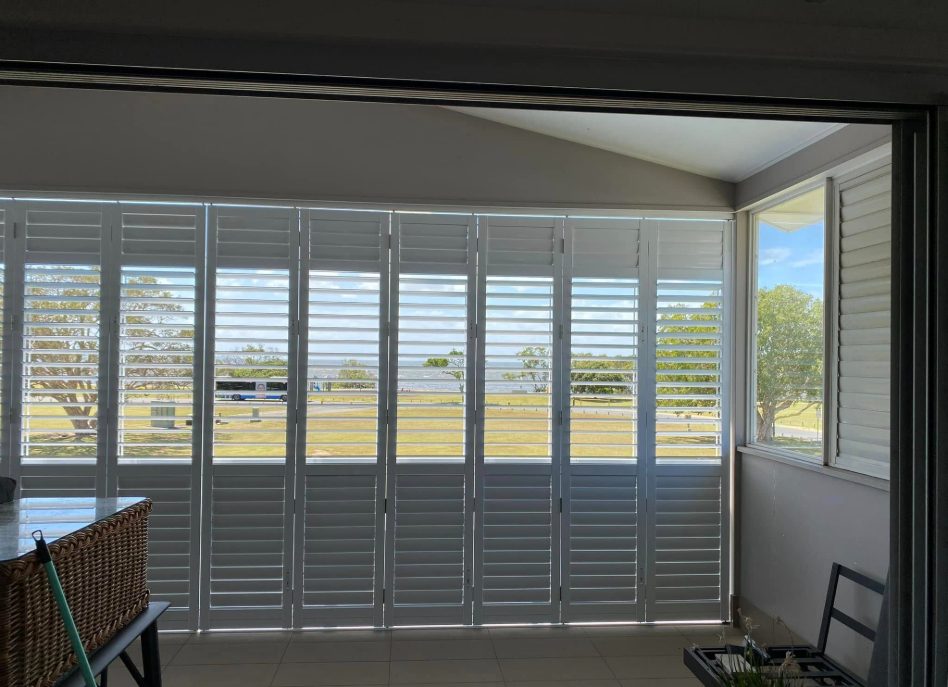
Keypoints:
(42, 550)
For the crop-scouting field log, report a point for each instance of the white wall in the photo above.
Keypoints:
(136, 142)
(794, 524)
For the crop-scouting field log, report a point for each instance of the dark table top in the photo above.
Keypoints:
(57, 517)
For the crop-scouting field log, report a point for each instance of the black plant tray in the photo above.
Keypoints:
(816, 668)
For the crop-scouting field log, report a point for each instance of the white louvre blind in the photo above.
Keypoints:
(865, 306)
(520, 281)
(4, 336)
(249, 527)
(603, 472)
(157, 371)
(686, 539)
(430, 452)
(345, 435)
(61, 334)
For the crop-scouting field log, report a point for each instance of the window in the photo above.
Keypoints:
(788, 350)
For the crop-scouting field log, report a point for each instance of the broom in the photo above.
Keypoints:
(42, 550)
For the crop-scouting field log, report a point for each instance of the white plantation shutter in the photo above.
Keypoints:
(864, 318)
(341, 541)
(61, 399)
(516, 457)
(157, 370)
(252, 262)
(430, 450)
(687, 546)
(6, 328)
(602, 523)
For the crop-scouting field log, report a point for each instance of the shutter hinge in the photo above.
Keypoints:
(561, 504)
(385, 505)
(561, 593)
(383, 595)
(561, 331)
(563, 245)
(14, 229)
(560, 418)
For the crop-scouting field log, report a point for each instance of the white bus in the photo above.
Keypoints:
(250, 390)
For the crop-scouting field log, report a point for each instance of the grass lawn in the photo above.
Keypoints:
(344, 425)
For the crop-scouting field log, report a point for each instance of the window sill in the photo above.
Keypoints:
(829, 471)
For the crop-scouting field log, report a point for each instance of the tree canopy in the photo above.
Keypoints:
(789, 365)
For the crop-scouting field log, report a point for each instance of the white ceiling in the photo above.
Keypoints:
(728, 149)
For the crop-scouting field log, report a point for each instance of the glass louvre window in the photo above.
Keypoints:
(518, 368)
(688, 372)
(60, 362)
(156, 363)
(789, 328)
(342, 384)
(603, 376)
(250, 364)
(432, 364)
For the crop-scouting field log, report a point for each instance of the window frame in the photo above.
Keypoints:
(750, 419)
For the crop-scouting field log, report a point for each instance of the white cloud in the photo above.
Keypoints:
(772, 256)
(813, 258)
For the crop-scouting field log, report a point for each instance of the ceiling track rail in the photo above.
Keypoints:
(437, 93)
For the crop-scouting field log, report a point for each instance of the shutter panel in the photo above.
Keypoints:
(865, 307)
(6, 326)
(518, 296)
(430, 454)
(342, 537)
(603, 527)
(63, 343)
(248, 517)
(686, 543)
(158, 365)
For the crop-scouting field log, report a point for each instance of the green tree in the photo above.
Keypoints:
(689, 353)
(453, 366)
(789, 354)
(536, 368)
(266, 365)
(353, 375)
(600, 376)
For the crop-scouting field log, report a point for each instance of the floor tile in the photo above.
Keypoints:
(444, 649)
(667, 682)
(240, 637)
(413, 634)
(527, 669)
(637, 630)
(311, 652)
(476, 670)
(340, 636)
(543, 647)
(642, 645)
(167, 649)
(564, 683)
(642, 667)
(537, 631)
(223, 653)
(249, 675)
(341, 673)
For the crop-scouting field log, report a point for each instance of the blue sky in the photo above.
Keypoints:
(791, 257)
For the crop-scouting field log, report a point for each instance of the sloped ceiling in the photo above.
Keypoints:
(726, 149)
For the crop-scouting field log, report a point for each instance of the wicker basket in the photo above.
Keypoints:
(103, 572)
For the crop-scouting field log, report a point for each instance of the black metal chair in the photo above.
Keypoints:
(830, 612)
(7, 489)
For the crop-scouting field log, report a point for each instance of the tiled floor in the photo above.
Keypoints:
(629, 656)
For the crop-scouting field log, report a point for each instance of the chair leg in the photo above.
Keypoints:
(104, 677)
(151, 662)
